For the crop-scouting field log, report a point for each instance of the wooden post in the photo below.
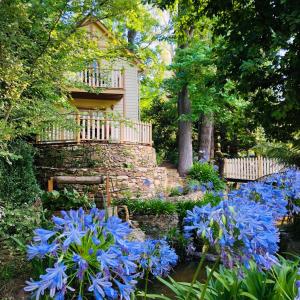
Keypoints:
(50, 184)
(108, 198)
(78, 124)
(121, 131)
(150, 133)
(260, 166)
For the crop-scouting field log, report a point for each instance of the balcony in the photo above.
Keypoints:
(93, 128)
(110, 81)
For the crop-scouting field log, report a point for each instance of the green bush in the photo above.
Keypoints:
(160, 207)
(206, 175)
(17, 224)
(18, 183)
(148, 207)
(65, 200)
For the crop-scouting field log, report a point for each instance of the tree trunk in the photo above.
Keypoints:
(185, 148)
(131, 35)
(206, 143)
(213, 142)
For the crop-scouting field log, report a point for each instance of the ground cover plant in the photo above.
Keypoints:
(89, 256)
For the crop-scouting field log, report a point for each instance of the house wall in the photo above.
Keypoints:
(129, 105)
(131, 96)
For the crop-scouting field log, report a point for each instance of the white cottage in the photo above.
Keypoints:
(113, 114)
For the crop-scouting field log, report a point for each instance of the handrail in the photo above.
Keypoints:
(98, 128)
(101, 78)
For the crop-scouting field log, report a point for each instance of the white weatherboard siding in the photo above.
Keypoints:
(131, 91)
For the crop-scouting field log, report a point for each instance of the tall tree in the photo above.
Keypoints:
(185, 16)
(261, 53)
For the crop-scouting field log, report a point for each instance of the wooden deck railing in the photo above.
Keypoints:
(250, 168)
(101, 78)
(98, 128)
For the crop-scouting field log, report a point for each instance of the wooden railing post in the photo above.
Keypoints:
(260, 166)
(150, 134)
(50, 184)
(78, 124)
(121, 131)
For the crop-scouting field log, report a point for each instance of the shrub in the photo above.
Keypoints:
(18, 183)
(206, 175)
(18, 223)
(89, 256)
(148, 207)
(65, 200)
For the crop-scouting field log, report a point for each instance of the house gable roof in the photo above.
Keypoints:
(90, 20)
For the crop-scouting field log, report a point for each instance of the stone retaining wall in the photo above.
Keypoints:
(132, 168)
(157, 226)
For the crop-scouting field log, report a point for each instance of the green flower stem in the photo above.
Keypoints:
(196, 274)
(146, 284)
(211, 273)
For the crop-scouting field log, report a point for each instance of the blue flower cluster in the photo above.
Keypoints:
(289, 183)
(156, 257)
(243, 227)
(92, 257)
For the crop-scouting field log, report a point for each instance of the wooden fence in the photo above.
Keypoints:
(98, 128)
(250, 168)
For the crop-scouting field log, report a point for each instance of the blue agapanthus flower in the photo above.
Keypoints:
(55, 280)
(243, 227)
(239, 233)
(41, 249)
(92, 257)
(156, 256)
(101, 286)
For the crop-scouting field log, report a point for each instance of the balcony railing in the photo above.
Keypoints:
(101, 78)
(99, 128)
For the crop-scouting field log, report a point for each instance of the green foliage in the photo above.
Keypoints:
(17, 223)
(176, 191)
(148, 207)
(259, 66)
(205, 173)
(287, 153)
(18, 184)
(163, 116)
(176, 240)
(66, 200)
(159, 207)
(279, 283)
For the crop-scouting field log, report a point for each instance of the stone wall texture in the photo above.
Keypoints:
(132, 169)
